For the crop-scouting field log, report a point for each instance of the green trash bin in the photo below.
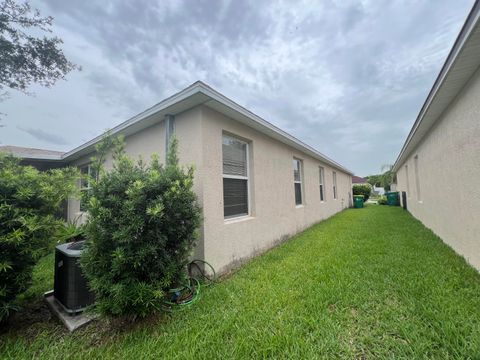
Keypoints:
(393, 198)
(358, 201)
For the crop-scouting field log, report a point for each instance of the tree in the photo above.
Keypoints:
(387, 177)
(25, 58)
(374, 180)
(384, 179)
(29, 208)
(364, 190)
(142, 225)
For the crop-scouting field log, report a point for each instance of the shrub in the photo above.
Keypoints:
(29, 201)
(382, 200)
(364, 190)
(140, 232)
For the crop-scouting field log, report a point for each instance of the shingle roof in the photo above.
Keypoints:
(31, 153)
(358, 180)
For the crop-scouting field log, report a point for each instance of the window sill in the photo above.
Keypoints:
(322, 201)
(420, 201)
(237, 219)
(299, 206)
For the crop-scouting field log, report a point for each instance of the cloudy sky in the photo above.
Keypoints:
(347, 77)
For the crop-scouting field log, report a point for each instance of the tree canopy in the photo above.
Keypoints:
(26, 57)
(384, 179)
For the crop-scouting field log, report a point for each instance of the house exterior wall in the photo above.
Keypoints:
(274, 215)
(448, 164)
(149, 141)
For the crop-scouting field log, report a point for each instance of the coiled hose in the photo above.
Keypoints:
(189, 293)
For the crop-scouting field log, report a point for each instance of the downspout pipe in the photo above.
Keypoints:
(169, 131)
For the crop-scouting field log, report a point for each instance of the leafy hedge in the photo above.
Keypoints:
(382, 200)
(364, 190)
(140, 232)
(29, 202)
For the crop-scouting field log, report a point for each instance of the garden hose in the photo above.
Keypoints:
(189, 293)
(194, 264)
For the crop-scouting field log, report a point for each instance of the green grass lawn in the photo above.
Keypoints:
(367, 283)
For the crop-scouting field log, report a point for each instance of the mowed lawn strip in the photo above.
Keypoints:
(366, 283)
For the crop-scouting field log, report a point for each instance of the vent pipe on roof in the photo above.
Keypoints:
(169, 131)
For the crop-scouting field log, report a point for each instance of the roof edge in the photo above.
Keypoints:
(190, 90)
(200, 87)
(29, 153)
(212, 93)
(469, 24)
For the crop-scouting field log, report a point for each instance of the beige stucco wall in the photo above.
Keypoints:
(449, 175)
(274, 216)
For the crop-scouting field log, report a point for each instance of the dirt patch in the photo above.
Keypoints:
(35, 318)
(30, 320)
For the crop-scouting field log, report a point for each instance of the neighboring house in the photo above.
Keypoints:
(438, 168)
(257, 184)
(39, 158)
(357, 180)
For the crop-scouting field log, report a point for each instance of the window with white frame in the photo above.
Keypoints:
(407, 180)
(86, 173)
(235, 177)
(417, 178)
(297, 181)
(334, 178)
(321, 179)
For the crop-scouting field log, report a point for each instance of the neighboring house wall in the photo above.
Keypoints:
(274, 215)
(443, 175)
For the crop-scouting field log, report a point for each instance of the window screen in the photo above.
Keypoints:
(86, 173)
(334, 176)
(322, 183)
(417, 179)
(407, 180)
(235, 177)
(297, 181)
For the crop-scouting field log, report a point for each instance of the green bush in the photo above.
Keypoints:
(364, 190)
(29, 201)
(141, 229)
(382, 200)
